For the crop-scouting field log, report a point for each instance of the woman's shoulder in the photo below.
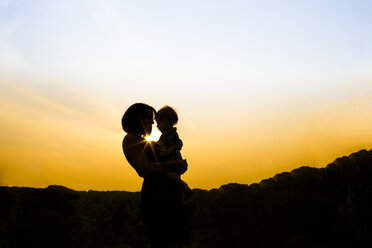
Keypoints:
(131, 139)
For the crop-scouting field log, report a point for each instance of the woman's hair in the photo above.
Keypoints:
(132, 120)
(169, 113)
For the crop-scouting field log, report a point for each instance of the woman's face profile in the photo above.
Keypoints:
(148, 120)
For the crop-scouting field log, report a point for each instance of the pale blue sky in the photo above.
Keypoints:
(124, 38)
(218, 53)
(259, 49)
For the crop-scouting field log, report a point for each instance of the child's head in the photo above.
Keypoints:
(166, 118)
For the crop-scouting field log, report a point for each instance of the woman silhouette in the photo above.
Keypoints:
(161, 198)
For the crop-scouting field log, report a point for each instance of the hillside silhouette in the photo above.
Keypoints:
(307, 207)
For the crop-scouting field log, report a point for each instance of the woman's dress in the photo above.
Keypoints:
(161, 207)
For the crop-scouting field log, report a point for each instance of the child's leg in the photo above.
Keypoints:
(175, 178)
(186, 190)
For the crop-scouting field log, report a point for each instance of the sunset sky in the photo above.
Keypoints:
(260, 87)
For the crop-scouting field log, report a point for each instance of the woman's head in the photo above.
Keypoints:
(138, 119)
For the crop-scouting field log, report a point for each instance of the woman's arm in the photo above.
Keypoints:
(135, 155)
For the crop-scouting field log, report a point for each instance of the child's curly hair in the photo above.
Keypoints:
(169, 113)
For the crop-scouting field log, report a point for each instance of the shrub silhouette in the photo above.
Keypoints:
(307, 207)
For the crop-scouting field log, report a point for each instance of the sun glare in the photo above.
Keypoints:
(155, 135)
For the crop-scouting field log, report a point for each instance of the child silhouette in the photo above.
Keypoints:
(169, 145)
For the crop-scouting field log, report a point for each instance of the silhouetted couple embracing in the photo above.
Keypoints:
(160, 164)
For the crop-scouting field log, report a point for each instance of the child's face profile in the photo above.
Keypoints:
(163, 124)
